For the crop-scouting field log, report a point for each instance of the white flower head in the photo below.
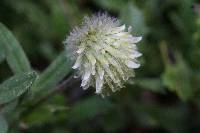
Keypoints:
(104, 53)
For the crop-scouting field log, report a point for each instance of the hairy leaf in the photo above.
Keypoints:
(16, 86)
(53, 74)
(15, 55)
(3, 125)
(9, 108)
(2, 54)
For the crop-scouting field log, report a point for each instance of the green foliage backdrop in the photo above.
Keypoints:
(37, 96)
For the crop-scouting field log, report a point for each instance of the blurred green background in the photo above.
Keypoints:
(164, 97)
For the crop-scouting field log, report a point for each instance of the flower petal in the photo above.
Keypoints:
(77, 63)
(99, 84)
(135, 55)
(136, 39)
(132, 64)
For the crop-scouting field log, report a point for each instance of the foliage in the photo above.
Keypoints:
(163, 97)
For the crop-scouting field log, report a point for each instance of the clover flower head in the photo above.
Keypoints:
(104, 53)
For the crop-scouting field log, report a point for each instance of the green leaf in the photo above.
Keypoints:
(32, 12)
(48, 51)
(52, 112)
(2, 54)
(9, 108)
(58, 18)
(3, 125)
(2, 57)
(169, 117)
(15, 55)
(46, 114)
(53, 74)
(89, 108)
(153, 84)
(114, 5)
(16, 86)
(177, 77)
(132, 16)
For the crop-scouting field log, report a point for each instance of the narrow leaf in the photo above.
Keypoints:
(9, 108)
(134, 17)
(15, 55)
(153, 84)
(89, 108)
(53, 74)
(2, 54)
(16, 86)
(3, 125)
(177, 78)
